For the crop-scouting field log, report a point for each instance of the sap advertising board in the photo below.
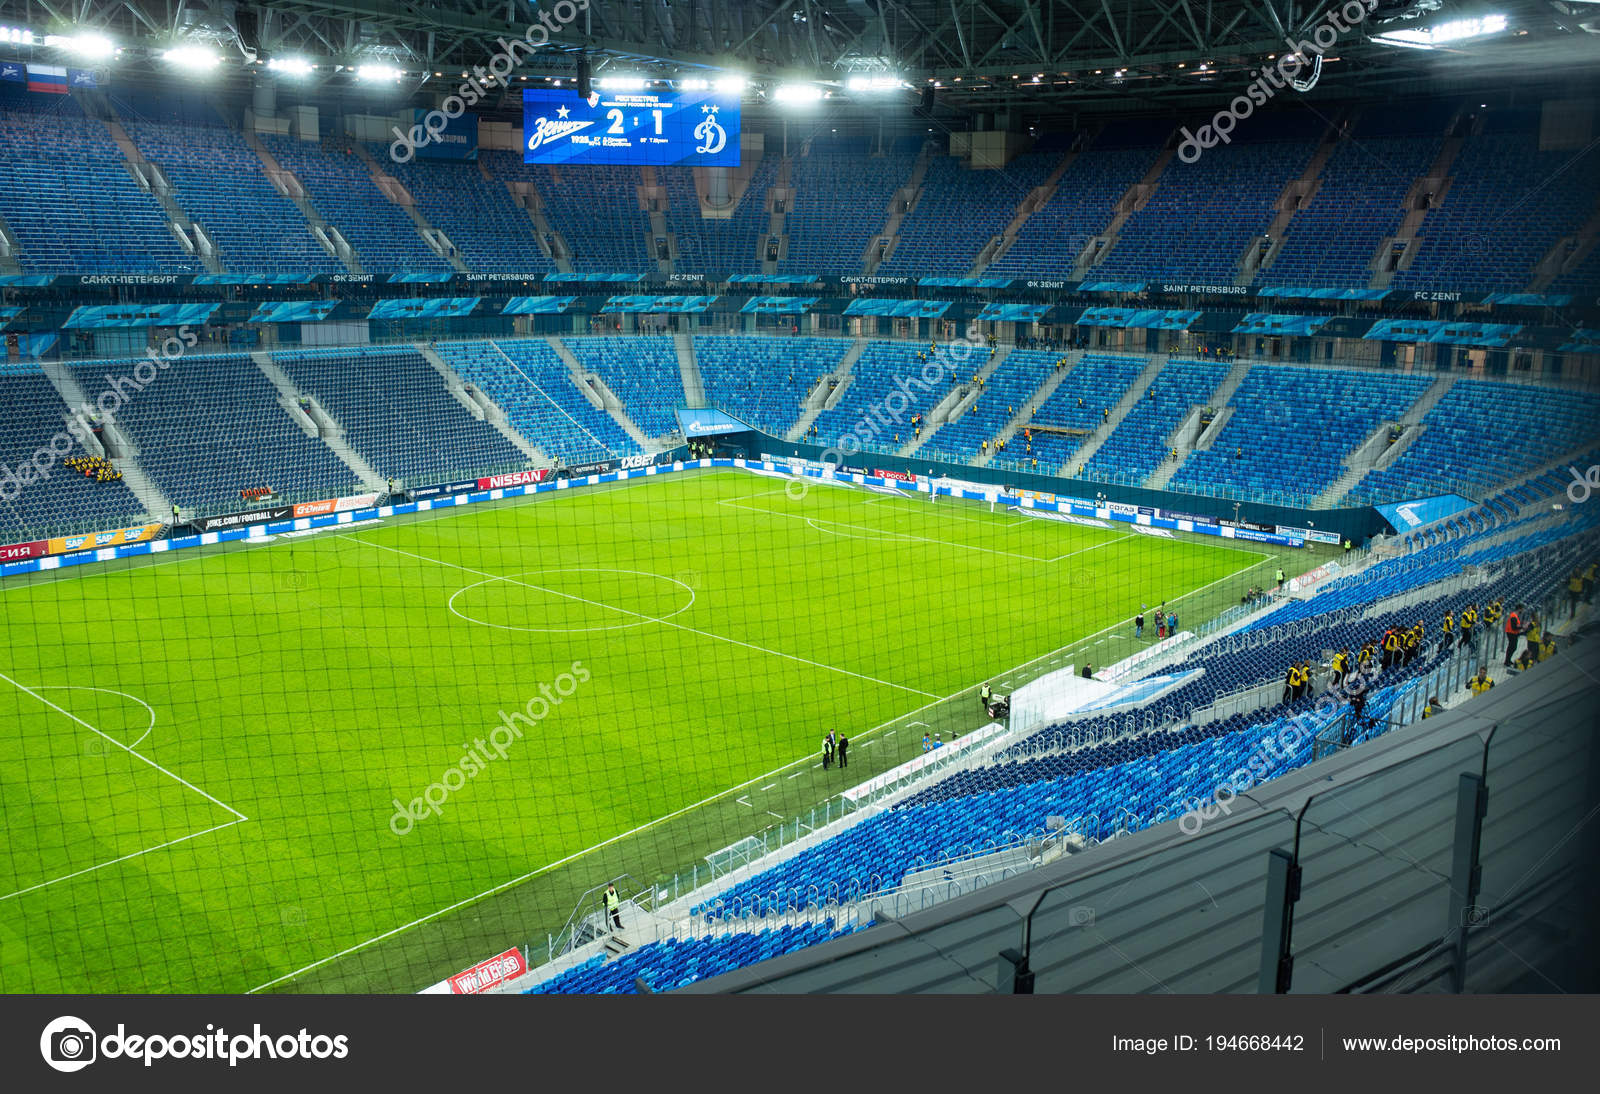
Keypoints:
(697, 128)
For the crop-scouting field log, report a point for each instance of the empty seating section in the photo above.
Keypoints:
(1203, 215)
(1359, 200)
(675, 963)
(210, 427)
(1095, 385)
(221, 183)
(841, 203)
(960, 210)
(1507, 205)
(342, 189)
(65, 501)
(1290, 428)
(398, 415)
(718, 245)
(528, 380)
(596, 210)
(1482, 433)
(69, 199)
(764, 380)
(488, 229)
(874, 376)
(1002, 396)
(1139, 443)
(643, 372)
(1082, 206)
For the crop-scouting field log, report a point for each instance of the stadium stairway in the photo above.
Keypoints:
(1029, 205)
(1034, 402)
(1298, 194)
(694, 385)
(157, 506)
(305, 408)
(780, 195)
(599, 395)
(482, 407)
(1425, 193)
(821, 397)
(10, 247)
(1129, 400)
(290, 186)
(192, 237)
(1184, 438)
(902, 203)
(1137, 197)
(392, 189)
(956, 402)
(1376, 452)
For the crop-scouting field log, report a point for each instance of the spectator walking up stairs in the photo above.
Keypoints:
(192, 237)
(313, 420)
(290, 186)
(694, 385)
(1188, 437)
(599, 395)
(1034, 402)
(955, 402)
(392, 189)
(1129, 400)
(1377, 452)
(823, 398)
(480, 406)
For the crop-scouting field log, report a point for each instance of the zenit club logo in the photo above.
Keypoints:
(70, 1044)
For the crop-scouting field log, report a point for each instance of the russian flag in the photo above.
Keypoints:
(48, 79)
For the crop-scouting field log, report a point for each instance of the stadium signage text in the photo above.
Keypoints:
(487, 974)
(37, 549)
(239, 520)
(902, 476)
(335, 505)
(1210, 290)
(516, 478)
(441, 489)
(874, 279)
(118, 537)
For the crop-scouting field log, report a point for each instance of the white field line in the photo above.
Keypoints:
(642, 616)
(504, 885)
(124, 858)
(884, 532)
(238, 816)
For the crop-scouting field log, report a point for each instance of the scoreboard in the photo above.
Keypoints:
(694, 128)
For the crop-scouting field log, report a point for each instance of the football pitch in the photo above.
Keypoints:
(365, 758)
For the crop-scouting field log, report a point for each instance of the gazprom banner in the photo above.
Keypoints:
(1406, 515)
(708, 423)
(458, 140)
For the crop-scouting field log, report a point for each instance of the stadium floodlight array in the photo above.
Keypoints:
(86, 44)
(292, 66)
(1456, 30)
(193, 58)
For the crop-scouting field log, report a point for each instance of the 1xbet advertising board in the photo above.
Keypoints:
(696, 128)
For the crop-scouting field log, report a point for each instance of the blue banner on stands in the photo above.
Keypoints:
(778, 305)
(657, 305)
(537, 305)
(1013, 313)
(425, 307)
(900, 309)
(705, 423)
(421, 277)
(110, 316)
(1406, 515)
(293, 311)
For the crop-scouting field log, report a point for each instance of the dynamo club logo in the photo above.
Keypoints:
(710, 133)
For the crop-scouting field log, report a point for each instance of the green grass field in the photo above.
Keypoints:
(201, 752)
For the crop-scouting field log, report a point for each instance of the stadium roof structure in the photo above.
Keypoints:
(1041, 57)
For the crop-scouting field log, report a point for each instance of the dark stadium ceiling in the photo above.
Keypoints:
(1036, 59)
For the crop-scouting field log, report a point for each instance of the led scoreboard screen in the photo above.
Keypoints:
(631, 127)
